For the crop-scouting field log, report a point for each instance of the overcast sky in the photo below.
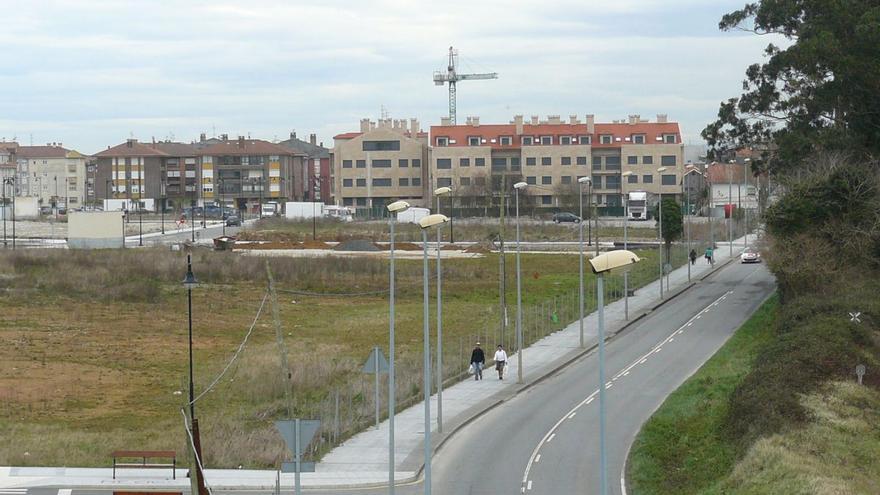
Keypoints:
(91, 73)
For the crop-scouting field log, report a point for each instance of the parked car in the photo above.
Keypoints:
(750, 256)
(566, 217)
(232, 221)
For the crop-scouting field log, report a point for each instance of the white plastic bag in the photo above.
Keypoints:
(471, 369)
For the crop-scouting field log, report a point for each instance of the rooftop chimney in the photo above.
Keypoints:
(445, 121)
(365, 125)
(573, 119)
(554, 119)
(590, 120)
(241, 142)
(518, 121)
(661, 118)
(292, 134)
(414, 127)
(129, 143)
(475, 121)
(202, 137)
(634, 119)
(224, 137)
(535, 120)
(313, 139)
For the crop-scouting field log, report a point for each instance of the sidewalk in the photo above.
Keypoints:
(363, 459)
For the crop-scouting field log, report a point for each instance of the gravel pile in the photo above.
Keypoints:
(356, 245)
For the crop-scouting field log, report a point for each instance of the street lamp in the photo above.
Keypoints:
(581, 182)
(189, 283)
(394, 209)
(10, 181)
(660, 214)
(425, 223)
(440, 191)
(603, 264)
(519, 339)
(730, 207)
(625, 247)
(140, 216)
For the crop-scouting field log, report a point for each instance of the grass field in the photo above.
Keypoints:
(96, 345)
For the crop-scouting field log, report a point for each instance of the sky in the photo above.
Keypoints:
(92, 73)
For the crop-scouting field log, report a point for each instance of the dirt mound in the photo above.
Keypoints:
(356, 245)
(478, 249)
(406, 246)
(313, 245)
(267, 245)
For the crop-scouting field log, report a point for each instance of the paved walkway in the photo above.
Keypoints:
(362, 460)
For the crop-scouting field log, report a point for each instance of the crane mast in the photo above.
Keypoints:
(452, 77)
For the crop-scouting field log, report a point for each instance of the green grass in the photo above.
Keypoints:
(683, 447)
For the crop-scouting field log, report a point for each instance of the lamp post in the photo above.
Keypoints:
(660, 215)
(745, 211)
(140, 216)
(626, 247)
(394, 209)
(316, 184)
(11, 182)
(192, 222)
(730, 208)
(425, 223)
(56, 197)
(601, 265)
(687, 209)
(440, 191)
(189, 283)
(519, 339)
(581, 182)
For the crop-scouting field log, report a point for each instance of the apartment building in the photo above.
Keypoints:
(384, 161)
(53, 174)
(479, 160)
(318, 167)
(130, 170)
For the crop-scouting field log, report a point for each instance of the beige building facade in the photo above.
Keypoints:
(56, 176)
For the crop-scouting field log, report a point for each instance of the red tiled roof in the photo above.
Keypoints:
(718, 173)
(235, 147)
(347, 135)
(651, 130)
(129, 149)
(175, 149)
(41, 151)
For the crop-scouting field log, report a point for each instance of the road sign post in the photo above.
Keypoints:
(297, 434)
(860, 372)
(376, 364)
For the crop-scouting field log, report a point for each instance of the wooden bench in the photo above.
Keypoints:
(144, 455)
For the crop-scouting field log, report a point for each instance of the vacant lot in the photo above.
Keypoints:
(95, 345)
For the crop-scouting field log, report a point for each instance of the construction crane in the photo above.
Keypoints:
(452, 77)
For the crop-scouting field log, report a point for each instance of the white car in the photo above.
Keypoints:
(750, 256)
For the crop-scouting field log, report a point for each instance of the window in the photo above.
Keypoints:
(612, 163)
(612, 182)
(381, 164)
(532, 180)
(480, 181)
(361, 182)
(546, 140)
(499, 163)
(479, 162)
(546, 180)
(361, 164)
(381, 182)
(361, 201)
(403, 163)
(346, 163)
(632, 179)
(566, 179)
(444, 182)
(565, 140)
(473, 140)
(465, 181)
(546, 200)
(527, 140)
(648, 179)
(606, 139)
(444, 163)
(669, 138)
(638, 139)
(546, 161)
(597, 182)
(417, 181)
(442, 141)
(667, 160)
(585, 139)
(668, 180)
(530, 160)
(647, 160)
(505, 140)
(464, 162)
(581, 160)
(381, 145)
(348, 201)
(403, 182)
(566, 160)
(416, 163)
(597, 163)
(514, 162)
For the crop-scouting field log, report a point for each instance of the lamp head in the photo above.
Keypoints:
(613, 260)
(661, 169)
(433, 220)
(398, 206)
(190, 281)
(520, 185)
(585, 180)
(627, 173)
(440, 191)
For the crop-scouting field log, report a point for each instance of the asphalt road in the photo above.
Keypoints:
(545, 440)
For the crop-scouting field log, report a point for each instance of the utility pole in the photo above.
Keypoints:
(279, 337)
(503, 271)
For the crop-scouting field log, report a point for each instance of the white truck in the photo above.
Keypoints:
(637, 205)
(270, 209)
(341, 213)
(303, 209)
(413, 215)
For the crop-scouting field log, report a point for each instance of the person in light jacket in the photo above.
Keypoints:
(500, 362)
(478, 359)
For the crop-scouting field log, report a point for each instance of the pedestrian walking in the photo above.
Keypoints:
(478, 359)
(693, 256)
(500, 362)
(710, 253)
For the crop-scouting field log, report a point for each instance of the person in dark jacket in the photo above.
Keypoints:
(478, 359)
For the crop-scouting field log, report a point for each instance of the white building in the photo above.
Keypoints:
(53, 174)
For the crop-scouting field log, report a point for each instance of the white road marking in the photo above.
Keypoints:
(572, 415)
(530, 485)
(626, 373)
(538, 458)
(671, 339)
(608, 385)
(551, 433)
(65, 491)
(551, 438)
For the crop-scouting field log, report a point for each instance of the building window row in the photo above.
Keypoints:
(402, 163)
(383, 182)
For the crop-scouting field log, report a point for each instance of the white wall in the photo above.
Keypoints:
(95, 230)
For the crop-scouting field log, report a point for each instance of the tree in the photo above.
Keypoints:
(820, 93)
(673, 227)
